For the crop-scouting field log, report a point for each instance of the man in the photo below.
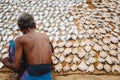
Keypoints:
(35, 47)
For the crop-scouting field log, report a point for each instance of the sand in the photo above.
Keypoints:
(5, 76)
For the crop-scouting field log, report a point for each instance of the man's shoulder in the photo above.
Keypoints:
(20, 38)
(44, 35)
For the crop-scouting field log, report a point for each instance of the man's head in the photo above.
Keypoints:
(26, 21)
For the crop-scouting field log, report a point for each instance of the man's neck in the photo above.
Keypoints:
(29, 30)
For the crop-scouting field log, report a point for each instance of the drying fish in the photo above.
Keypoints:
(61, 59)
(92, 53)
(82, 53)
(106, 40)
(113, 52)
(114, 39)
(113, 46)
(54, 60)
(67, 51)
(55, 44)
(76, 44)
(68, 59)
(82, 43)
(58, 67)
(61, 44)
(116, 68)
(103, 54)
(1, 65)
(74, 67)
(102, 60)
(82, 66)
(56, 50)
(68, 44)
(5, 50)
(105, 47)
(97, 47)
(107, 68)
(114, 60)
(76, 59)
(10, 38)
(99, 66)
(90, 69)
(118, 57)
(108, 60)
(61, 49)
(102, 30)
(87, 48)
(88, 42)
(91, 60)
(66, 67)
(75, 51)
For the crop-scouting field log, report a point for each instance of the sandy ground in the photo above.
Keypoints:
(5, 76)
(88, 77)
(5, 73)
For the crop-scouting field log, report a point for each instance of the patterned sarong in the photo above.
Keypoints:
(37, 72)
(46, 76)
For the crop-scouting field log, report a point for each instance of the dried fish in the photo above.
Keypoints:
(108, 60)
(76, 59)
(68, 59)
(74, 67)
(61, 44)
(54, 60)
(90, 69)
(91, 60)
(62, 58)
(1, 65)
(68, 44)
(116, 68)
(99, 66)
(103, 54)
(113, 52)
(82, 53)
(87, 48)
(97, 47)
(114, 39)
(66, 67)
(102, 60)
(58, 67)
(67, 51)
(76, 44)
(107, 68)
(82, 66)
(75, 51)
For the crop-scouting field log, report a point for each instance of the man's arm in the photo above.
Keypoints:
(17, 58)
(51, 48)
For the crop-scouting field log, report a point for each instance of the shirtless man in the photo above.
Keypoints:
(37, 49)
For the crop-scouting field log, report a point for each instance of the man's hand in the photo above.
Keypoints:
(5, 61)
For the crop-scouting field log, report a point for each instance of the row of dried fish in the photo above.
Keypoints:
(83, 67)
(91, 57)
(83, 43)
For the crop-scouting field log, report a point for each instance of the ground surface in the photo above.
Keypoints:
(88, 77)
(5, 73)
(5, 76)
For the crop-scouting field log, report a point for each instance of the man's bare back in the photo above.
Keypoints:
(36, 48)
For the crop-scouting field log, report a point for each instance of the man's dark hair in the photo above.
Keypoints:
(25, 21)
